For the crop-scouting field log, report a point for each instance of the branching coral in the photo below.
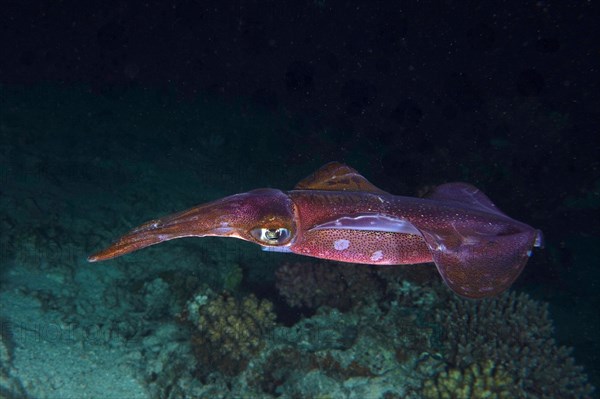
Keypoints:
(479, 380)
(230, 330)
(316, 283)
(516, 332)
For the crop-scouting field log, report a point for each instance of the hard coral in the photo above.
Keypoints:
(516, 332)
(317, 283)
(230, 330)
(479, 380)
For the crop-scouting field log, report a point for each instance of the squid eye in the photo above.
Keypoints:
(271, 236)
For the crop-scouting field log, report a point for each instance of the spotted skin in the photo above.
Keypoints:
(368, 247)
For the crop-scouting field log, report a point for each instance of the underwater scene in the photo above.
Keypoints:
(308, 199)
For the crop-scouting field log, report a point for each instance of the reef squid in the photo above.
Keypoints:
(337, 214)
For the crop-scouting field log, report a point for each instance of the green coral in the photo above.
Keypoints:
(231, 330)
(233, 278)
(480, 380)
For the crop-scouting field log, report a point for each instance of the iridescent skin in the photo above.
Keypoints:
(337, 214)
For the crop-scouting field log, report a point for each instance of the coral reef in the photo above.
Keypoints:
(229, 330)
(317, 283)
(337, 354)
(232, 277)
(479, 380)
(516, 332)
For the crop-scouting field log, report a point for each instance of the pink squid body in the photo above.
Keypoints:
(349, 235)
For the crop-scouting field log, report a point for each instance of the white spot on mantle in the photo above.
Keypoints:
(377, 255)
(342, 244)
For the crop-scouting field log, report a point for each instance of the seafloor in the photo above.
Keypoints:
(216, 318)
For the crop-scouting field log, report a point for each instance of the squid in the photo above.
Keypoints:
(337, 214)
